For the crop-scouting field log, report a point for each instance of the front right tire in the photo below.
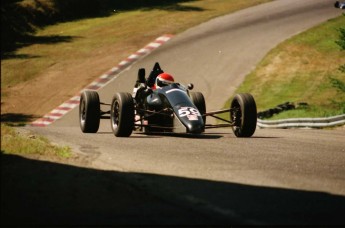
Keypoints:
(244, 115)
(199, 101)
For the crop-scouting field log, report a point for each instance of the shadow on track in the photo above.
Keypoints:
(41, 193)
(169, 134)
(17, 119)
(185, 135)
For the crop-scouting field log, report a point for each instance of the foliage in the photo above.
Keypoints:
(338, 84)
(341, 43)
(342, 68)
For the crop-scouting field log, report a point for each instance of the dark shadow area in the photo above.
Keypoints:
(170, 5)
(167, 134)
(20, 20)
(134, 135)
(39, 193)
(28, 40)
(13, 55)
(17, 119)
(265, 137)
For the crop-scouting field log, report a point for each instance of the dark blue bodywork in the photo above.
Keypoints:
(175, 96)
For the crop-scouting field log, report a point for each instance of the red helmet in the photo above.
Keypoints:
(164, 79)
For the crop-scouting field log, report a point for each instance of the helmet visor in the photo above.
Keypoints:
(162, 82)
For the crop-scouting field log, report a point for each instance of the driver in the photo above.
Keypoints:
(162, 80)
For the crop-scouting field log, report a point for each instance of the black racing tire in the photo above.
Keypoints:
(89, 111)
(244, 115)
(199, 101)
(122, 114)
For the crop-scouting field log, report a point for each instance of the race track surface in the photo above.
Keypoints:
(294, 176)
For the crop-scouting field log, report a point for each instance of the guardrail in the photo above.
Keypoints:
(303, 122)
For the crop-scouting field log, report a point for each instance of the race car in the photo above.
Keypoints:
(340, 5)
(158, 104)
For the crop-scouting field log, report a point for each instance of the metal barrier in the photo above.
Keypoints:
(303, 122)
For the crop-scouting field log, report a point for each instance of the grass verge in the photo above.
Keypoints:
(304, 68)
(14, 142)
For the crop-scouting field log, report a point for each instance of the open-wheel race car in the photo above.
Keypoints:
(159, 105)
(340, 5)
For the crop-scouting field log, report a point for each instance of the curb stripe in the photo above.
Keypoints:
(100, 82)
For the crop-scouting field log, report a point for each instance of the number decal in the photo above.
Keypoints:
(189, 112)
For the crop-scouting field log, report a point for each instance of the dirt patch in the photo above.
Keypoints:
(42, 94)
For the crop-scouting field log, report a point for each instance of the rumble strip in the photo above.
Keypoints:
(104, 79)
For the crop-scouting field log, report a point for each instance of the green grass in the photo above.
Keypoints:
(13, 142)
(123, 32)
(304, 68)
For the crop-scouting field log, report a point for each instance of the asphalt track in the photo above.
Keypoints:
(276, 177)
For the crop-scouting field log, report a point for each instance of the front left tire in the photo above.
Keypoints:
(122, 114)
(89, 111)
